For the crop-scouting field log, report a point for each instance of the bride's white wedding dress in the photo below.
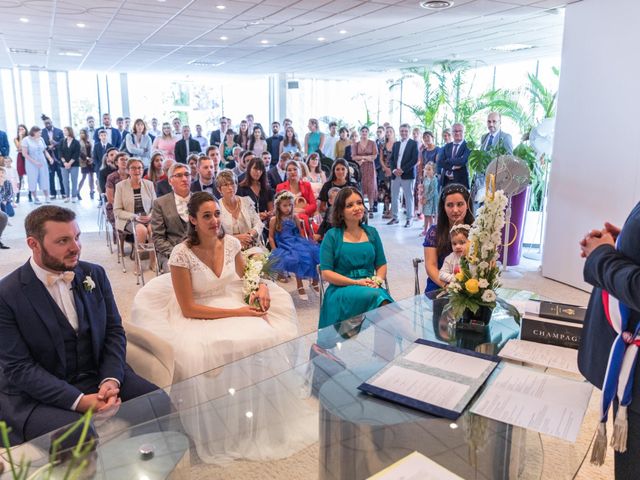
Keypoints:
(213, 406)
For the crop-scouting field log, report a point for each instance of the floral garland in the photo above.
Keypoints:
(479, 276)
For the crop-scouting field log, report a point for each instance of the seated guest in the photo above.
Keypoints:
(122, 173)
(340, 177)
(62, 345)
(163, 187)
(325, 225)
(166, 143)
(192, 161)
(213, 153)
(277, 173)
(107, 167)
(352, 260)
(607, 356)
(241, 166)
(155, 172)
(453, 209)
(316, 177)
(133, 201)
(206, 181)
(169, 216)
(266, 159)
(292, 253)
(6, 194)
(238, 215)
(304, 205)
(255, 186)
(205, 284)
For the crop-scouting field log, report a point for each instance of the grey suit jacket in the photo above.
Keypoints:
(167, 226)
(506, 141)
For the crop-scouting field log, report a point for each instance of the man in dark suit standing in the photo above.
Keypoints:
(62, 344)
(273, 142)
(217, 136)
(186, 146)
(99, 149)
(53, 137)
(169, 216)
(404, 157)
(113, 135)
(4, 144)
(455, 157)
(610, 335)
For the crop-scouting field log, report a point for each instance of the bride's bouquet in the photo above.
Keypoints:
(479, 276)
(256, 267)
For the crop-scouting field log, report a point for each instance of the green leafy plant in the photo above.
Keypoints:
(78, 458)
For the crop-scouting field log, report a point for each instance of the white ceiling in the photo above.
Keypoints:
(165, 36)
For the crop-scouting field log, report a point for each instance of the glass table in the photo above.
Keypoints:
(294, 410)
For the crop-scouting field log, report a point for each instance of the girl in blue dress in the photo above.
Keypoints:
(352, 260)
(290, 251)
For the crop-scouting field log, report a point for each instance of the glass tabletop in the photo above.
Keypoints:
(294, 410)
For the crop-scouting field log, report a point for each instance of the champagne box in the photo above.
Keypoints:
(562, 311)
(535, 328)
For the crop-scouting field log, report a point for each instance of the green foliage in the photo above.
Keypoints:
(76, 465)
(479, 160)
(526, 152)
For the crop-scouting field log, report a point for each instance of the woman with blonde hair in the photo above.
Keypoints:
(166, 143)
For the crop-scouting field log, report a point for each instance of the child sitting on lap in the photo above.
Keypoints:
(459, 236)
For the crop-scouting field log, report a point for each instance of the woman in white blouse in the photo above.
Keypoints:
(238, 215)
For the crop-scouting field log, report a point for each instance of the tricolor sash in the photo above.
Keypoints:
(618, 380)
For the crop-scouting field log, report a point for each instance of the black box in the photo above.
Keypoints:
(552, 332)
(562, 311)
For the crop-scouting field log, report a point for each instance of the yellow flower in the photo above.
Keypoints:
(459, 276)
(472, 286)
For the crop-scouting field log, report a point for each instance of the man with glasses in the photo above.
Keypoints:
(455, 157)
(169, 215)
(217, 136)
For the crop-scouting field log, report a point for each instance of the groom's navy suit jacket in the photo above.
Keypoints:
(33, 362)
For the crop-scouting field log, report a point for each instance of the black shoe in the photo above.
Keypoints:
(79, 197)
(91, 195)
(18, 197)
(375, 208)
(30, 199)
(3, 246)
(393, 221)
(407, 224)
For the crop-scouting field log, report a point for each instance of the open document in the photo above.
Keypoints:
(550, 356)
(435, 378)
(537, 401)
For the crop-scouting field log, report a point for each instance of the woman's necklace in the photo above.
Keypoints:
(232, 210)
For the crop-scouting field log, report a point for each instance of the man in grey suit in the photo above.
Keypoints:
(169, 216)
(495, 138)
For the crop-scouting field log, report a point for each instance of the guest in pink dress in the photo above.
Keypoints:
(166, 143)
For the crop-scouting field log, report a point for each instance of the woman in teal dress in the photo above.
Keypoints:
(352, 261)
(314, 140)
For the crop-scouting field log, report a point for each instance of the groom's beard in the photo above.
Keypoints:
(56, 265)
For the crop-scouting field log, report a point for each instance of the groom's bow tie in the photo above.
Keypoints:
(66, 277)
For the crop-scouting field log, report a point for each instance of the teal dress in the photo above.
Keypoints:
(313, 142)
(353, 260)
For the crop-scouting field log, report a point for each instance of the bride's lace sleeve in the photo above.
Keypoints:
(232, 247)
(180, 256)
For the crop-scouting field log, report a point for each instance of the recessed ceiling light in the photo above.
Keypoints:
(224, 38)
(512, 47)
(220, 7)
(81, 25)
(24, 19)
(321, 39)
(408, 60)
(436, 4)
(342, 32)
(264, 42)
(70, 53)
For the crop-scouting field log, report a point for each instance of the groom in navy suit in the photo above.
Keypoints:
(62, 344)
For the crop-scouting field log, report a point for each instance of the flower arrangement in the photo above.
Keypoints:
(256, 266)
(479, 276)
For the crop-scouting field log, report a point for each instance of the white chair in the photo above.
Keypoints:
(138, 250)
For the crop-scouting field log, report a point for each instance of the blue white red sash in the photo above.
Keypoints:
(618, 380)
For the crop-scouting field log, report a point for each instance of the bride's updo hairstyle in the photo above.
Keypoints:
(193, 207)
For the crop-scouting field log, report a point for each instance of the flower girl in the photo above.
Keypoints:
(459, 236)
(290, 251)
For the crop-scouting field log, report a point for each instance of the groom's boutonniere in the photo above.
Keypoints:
(88, 284)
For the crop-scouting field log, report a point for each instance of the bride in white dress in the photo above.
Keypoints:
(199, 308)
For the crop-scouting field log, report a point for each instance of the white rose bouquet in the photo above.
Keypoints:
(479, 276)
(256, 267)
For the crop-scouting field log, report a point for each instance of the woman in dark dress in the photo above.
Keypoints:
(384, 191)
(453, 209)
(86, 163)
(256, 186)
(340, 177)
(20, 166)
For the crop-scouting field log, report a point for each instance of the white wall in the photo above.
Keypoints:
(596, 158)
